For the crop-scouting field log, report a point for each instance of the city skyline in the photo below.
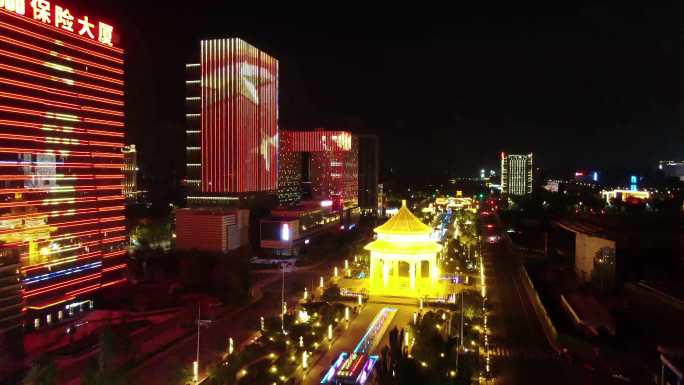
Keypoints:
(589, 78)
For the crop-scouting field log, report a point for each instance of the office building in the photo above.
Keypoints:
(369, 169)
(516, 174)
(331, 164)
(130, 171)
(232, 123)
(61, 140)
(289, 172)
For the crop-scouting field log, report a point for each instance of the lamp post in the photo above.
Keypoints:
(200, 322)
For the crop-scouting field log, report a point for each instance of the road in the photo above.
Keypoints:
(520, 352)
(348, 340)
(239, 325)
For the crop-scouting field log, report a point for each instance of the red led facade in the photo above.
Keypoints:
(61, 135)
(334, 165)
(239, 118)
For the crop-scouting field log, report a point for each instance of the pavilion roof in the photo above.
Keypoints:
(404, 223)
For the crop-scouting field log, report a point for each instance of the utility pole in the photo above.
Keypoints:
(462, 311)
(196, 366)
(282, 301)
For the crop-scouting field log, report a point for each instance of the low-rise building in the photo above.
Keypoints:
(214, 230)
(288, 229)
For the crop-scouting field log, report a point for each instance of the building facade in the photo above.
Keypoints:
(289, 172)
(333, 166)
(232, 131)
(130, 171)
(516, 174)
(61, 136)
(211, 230)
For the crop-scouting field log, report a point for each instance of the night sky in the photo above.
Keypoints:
(593, 87)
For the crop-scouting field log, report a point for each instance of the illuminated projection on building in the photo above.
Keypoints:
(61, 134)
(239, 118)
(334, 163)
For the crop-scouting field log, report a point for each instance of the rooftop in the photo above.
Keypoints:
(404, 223)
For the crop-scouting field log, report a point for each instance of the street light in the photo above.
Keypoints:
(230, 345)
(321, 282)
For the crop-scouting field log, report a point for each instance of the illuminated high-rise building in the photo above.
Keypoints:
(232, 130)
(516, 174)
(130, 170)
(333, 165)
(61, 136)
(289, 172)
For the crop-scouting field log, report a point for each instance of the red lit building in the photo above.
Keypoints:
(232, 122)
(212, 230)
(61, 136)
(333, 166)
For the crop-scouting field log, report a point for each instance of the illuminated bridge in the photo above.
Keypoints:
(356, 368)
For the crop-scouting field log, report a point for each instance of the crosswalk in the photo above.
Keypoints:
(521, 353)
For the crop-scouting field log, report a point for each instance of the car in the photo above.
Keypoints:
(493, 238)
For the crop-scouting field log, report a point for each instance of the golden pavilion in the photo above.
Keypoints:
(403, 259)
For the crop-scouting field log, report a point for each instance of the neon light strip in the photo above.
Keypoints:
(60, 189)
(61, 273)
(84, 290)
(113, 240)
(59, 67)
(113, 268)
(59, 201)
(57, 177)
(53, 103)
(51, 304)
(57, 286)
(48, 52)
(56, 116)
(81, 257)
(63, 225)
(60, 213)
(116, 166)
(55, 140)
(115, 282)
(58, 79)
(113, 254)
(59, 92)
(66, 236)
(58, 42)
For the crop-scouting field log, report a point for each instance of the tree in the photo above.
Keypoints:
(394, 366)
(113, 363)
(43, 372)
(331, 293)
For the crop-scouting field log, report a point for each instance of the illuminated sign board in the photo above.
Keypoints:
(47, 12)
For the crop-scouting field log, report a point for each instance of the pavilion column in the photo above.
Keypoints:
(385, 273)
(373, 268)
(419, 269)
(395, 269)
(412, 275)
(433, 270)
